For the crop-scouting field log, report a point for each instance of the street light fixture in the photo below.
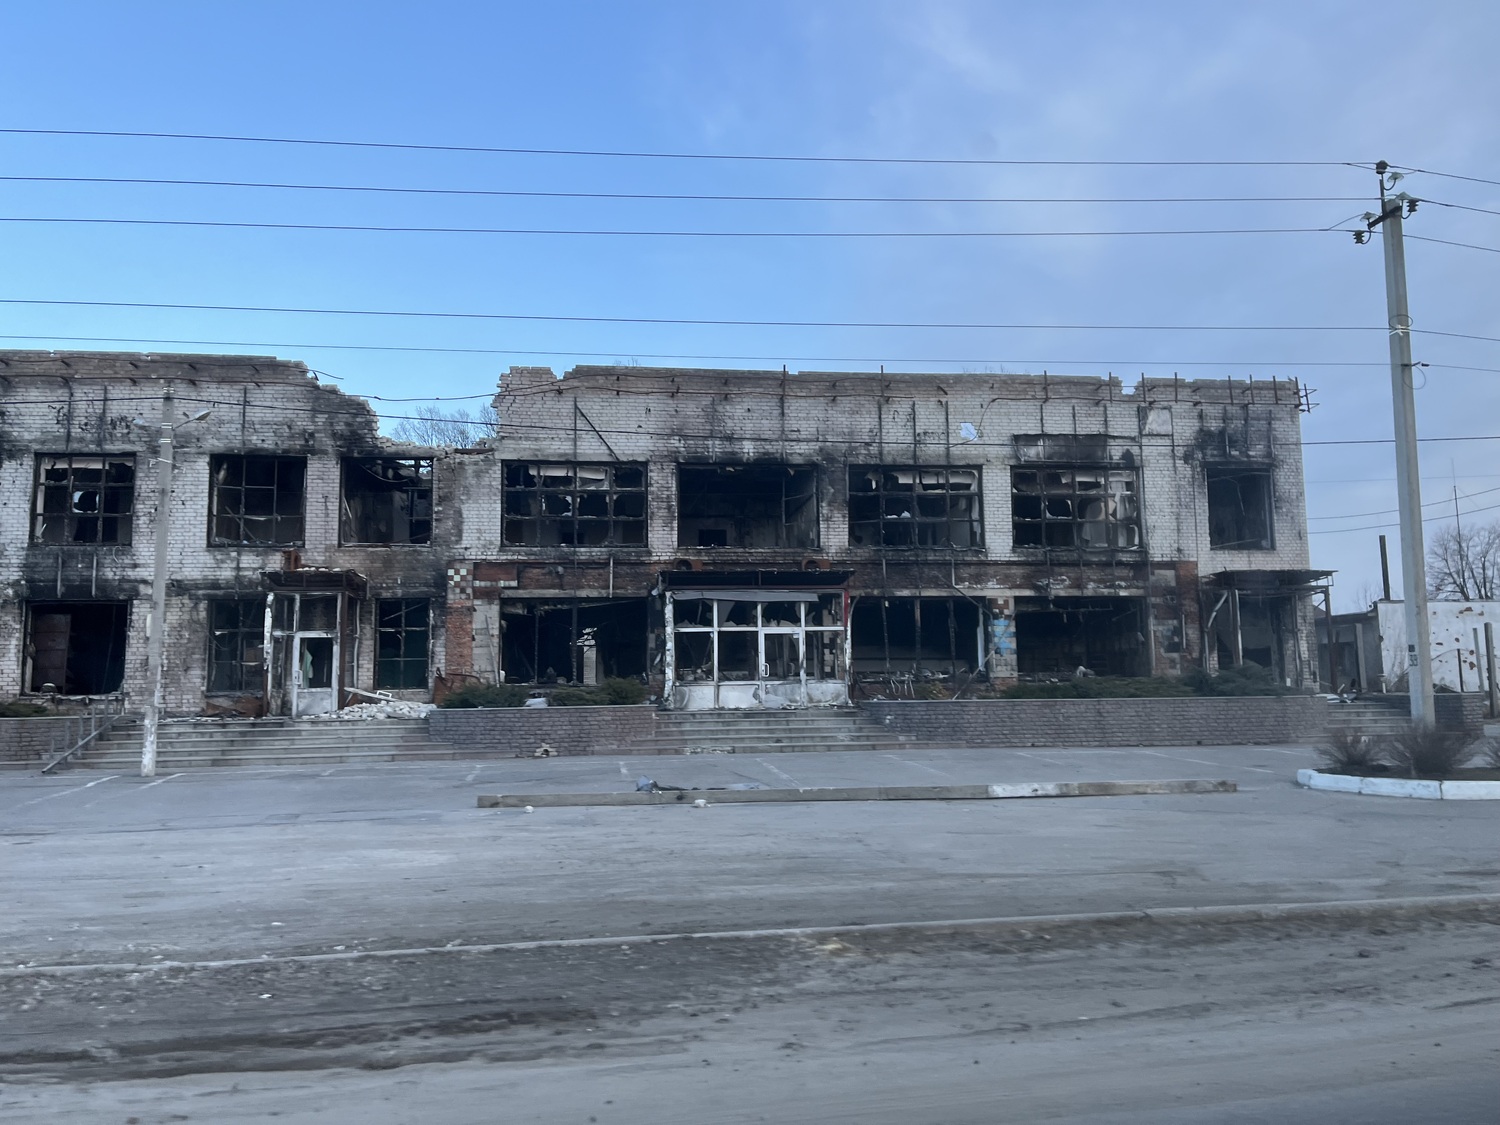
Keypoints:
(157, 628)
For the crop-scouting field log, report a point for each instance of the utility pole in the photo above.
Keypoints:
(1393, 208)
(156, 639)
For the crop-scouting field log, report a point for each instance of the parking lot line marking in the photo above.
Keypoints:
(128, 790)
(779, 773)
(1040, 758)
(474, 772)
(1200, 761)
(65, 792)
(919, 765)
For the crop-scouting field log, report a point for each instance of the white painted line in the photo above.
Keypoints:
(780, 773)
(919, 765)
(1180, 758)
(128, 790)
(623, 771)
(474, 772)
(65, 792)
(1044, 758)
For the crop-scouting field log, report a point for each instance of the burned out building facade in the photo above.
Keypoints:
(736, 539)
(302, 562)
(767, 539)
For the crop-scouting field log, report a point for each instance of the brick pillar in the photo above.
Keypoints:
(1002, 639)
(458, 649)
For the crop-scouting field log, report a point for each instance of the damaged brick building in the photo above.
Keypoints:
(736, 538)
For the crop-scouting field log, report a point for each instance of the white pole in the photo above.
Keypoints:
(156, 639)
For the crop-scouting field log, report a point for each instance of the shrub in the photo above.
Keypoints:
(576, 697)
(1100, 687)
(1247, 679)
(17, 709)
(622, 692)
(487, 695)
(1420, 752)
(1345, 752)
(1489, 753)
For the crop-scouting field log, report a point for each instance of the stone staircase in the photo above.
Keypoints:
(1370, 716)
(765, 732)
(269, 742)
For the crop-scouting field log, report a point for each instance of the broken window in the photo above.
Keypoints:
(930, 637)
(83, 499)
(1055, 637)
(914, 507)
(237, 637)
(756, 506)
(76, 648)
(1239, 507)
(1065, 448)
(1076, 507)
(580, 640)
(567, 505)
(257, 500)
(386, 500)
(401, 635)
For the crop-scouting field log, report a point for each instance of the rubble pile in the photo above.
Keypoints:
(363, 712)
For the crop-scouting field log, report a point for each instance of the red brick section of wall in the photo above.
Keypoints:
(568, 730)
(1226, 721)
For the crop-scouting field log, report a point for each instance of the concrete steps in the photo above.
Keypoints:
(767, 732)
(271, 742)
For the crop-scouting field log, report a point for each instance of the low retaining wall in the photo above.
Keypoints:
(568, 730)
(37, 740)
(1190, 721)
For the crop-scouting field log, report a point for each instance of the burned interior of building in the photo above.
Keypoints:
(76, 648)
(385, 501)
(752, 506)
(576, 640)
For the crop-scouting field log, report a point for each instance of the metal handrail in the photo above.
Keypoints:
(113, 713)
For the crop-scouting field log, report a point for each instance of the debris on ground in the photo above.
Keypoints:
(364, 712)
(645, 784)
(542, 751)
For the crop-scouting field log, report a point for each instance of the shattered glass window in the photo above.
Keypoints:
(893, 506)
(386, 500)
(237, 637)
(1080, 508)
(257, 500)
(574, 505)
(401, 636)
(83, 499)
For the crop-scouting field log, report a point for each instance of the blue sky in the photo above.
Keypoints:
(981, 80)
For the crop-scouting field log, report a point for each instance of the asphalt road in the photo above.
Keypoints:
(1295, 1022)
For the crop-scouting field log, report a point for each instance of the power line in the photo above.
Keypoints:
(1448, 175)
(1449, 242)
(1459, 206)
(1041, 363)
(1383, 526)
(1393, 511)
(677, 197)
(375, 229)
(646, 155)
(710, 322)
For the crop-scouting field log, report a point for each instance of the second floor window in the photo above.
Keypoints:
(568, 505)
(1076, 507)
(386, 500)
(81, 499)
(257, 500)
(914, 507)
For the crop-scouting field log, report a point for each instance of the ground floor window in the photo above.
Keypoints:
(916, 638)
(76, 648)
(402, 631)
(577, 640)
(1057, 636)
(237, 637)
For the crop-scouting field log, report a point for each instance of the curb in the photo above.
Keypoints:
(861, 793)
(1481, 907)
(1400, 787)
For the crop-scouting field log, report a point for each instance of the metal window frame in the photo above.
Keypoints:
(574, 495)
(411, 491)
(217, 492)
(406, 635)
(886, 525)
(249, 683)
(1115, 526)
(124, 520)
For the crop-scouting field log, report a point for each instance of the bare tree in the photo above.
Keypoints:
(459, 426)
(1464, 563)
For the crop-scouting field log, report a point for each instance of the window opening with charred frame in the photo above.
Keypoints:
(1239, 507)
(1076, 507)
(76, 648)
(913, 506)
(574, 505)
(755, 506)
(81, 500)
(401, 636)
(386, 500)
(237, 629)
(257, 499)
